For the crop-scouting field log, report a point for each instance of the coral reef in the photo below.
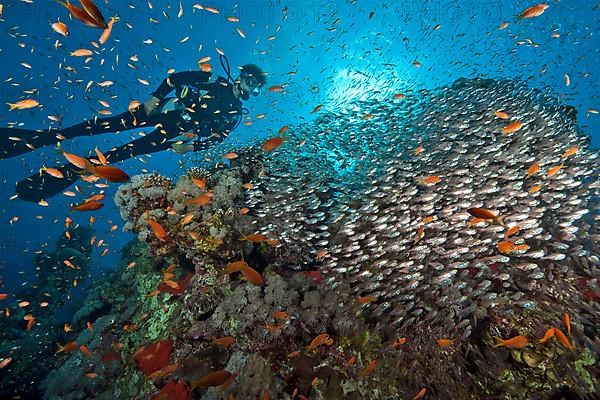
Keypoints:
(278, 274)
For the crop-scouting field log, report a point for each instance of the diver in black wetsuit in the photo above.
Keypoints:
(208, 110)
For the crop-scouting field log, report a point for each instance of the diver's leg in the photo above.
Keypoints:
(14, 142)
(43, 186)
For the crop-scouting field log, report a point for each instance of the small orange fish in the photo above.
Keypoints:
(511, 128)
(30, 321)
(549, 333)
(350, 362)
(272, 143)
(244, 210)
(322, 339)
(501, 115)
(202, 200)
(85, 350)
(431, 180)
(3, 296)
(554, 170)
(108, 172)
(533, 169)
(420, 394)
(157, 228)
(23, 304)
(563, 339)
(91, 375)
(107, 32)
(444, 342)
(276, 89)
(60, 27)
(23, 104)
(366, 299)
(255, 238)
(399, 96)
(569, 152)
(252, 276)
(419, 150)
(567, 323)
(89, 206)
(486, 215)
(534, 11)
(225, 341)
(5, 362)
(535, 188)
(420, 234)
(67, 348)
(67, 328)
(512, 231)
(213, 379)
(281, 315)
(283, 130)
(201, 183)
(399, 342)
(505, 247)
(230, 156)
(89, 327)
(317, 108)
(369, 368)
(516, 342)
(248, 186)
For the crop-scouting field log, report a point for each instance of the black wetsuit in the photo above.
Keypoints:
(211, 112)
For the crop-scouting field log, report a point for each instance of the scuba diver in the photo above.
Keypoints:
(202, 113)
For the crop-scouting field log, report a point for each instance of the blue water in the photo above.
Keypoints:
(339, 50)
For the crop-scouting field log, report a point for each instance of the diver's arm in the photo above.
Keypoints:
(179, 79)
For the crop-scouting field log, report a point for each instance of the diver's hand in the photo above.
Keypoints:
(151, 104)
(182, 148)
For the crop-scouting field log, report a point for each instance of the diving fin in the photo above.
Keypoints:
(15, 142)
(43, 186)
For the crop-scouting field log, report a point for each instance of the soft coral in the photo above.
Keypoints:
(154, 356)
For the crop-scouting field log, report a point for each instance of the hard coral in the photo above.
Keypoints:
(154, 356)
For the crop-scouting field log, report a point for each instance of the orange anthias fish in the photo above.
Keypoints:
(399, 342)
(230, 156)
(501, 115)
(369, 368)
(570, 152)
(554, 170)
(431, 180)
(67, 348)
(225, 341)
(420, 394)
(61, 28)
(512, 231)
(549, 333)
(202, 200)
(213, 379)
(534, 11)
(533, 169)
(511, 128)
(157, 228)
(321, 339)
(252, 276)
(23, 104)
(563, 339)
(444, 342)
(567, 323)
(486, 215)
(273, 143)
(516, 342)
(90, 15)
(255, 238)
(109, 173)
(88, 206)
